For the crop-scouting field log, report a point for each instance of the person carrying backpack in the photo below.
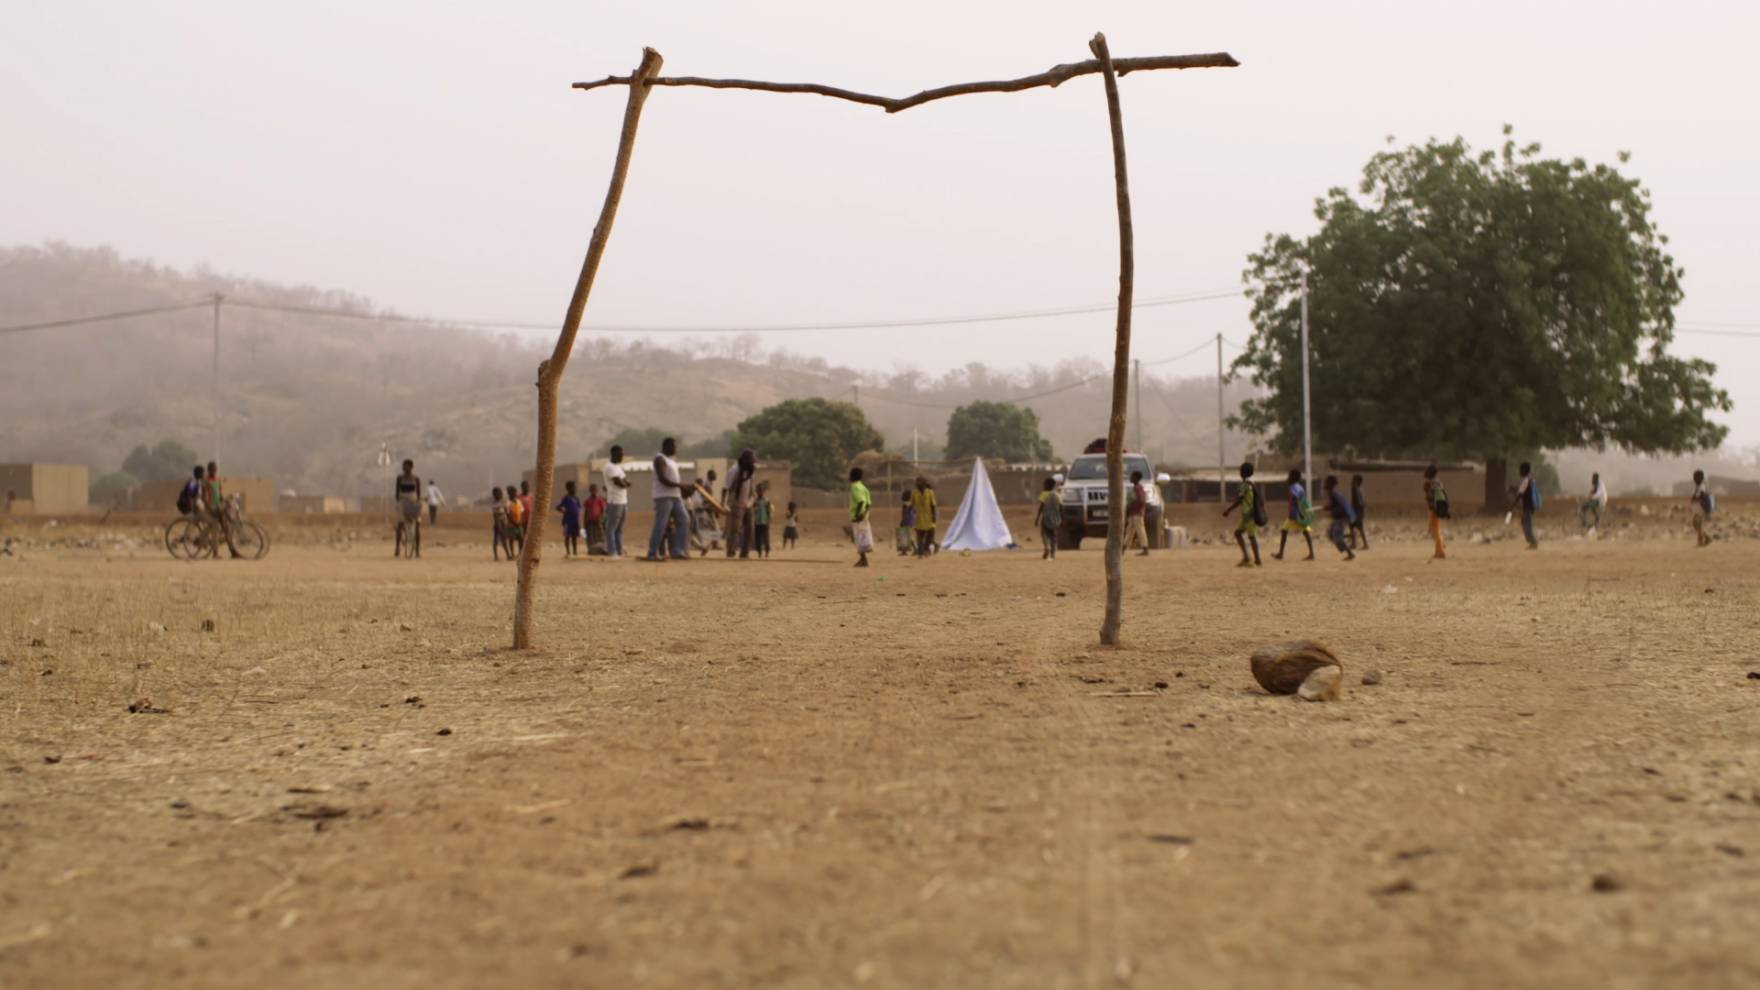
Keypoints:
(1527, 499)
(1436, 501)
(1301, 516)
(189, 500)
(1339, 508)
(1252, 517)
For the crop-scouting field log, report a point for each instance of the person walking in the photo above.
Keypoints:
(1594, 505)
(1301, 516)
(1252, 517)
(761, 512)
(1049, 516)
(1339, 508)
(1527, 499)
(616, 502)
(435, 501)
(408, 492)
(668, 507)
(214, 501)
(1136, 507)
(1359, 535)
(1436, 501)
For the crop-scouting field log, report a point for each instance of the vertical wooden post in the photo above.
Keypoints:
(550, 371)
(1121, 357)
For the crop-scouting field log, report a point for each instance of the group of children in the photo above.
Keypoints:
(1345, 512)
(918, 515)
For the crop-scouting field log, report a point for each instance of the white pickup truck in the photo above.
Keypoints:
(1086, 509)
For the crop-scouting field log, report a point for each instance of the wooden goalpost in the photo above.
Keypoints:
(647, 75)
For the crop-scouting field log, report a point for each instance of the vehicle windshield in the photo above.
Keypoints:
(1090, 468)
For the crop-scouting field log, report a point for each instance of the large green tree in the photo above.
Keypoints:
(816, 436)
(1473, 305)
(996, 429)
(167, 460)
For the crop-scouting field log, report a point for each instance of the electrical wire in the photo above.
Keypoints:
(829, 325)
(103, 317)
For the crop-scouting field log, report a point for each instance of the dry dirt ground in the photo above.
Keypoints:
(797, 774)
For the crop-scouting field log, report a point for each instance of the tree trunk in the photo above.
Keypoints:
(1496, 485)
(550, 371)
(1121, 358)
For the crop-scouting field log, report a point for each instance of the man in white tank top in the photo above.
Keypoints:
(669, 505)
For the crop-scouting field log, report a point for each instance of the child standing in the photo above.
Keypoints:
(1136, 505)
(761, 510)
(1252, 517)
(570, 507)
(1436, 501)
(1049, 516)
(860, 504)
(1594, 505)
(516, 522)
(1527, 499)
(501, 537)
(1301, 516)
(1358, 533)
(593, 515)
(924, 510)
(1339, 508)
(1703, 505)
(791, 527)
(904, 537)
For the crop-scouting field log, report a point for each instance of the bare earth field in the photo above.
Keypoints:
(793, 773)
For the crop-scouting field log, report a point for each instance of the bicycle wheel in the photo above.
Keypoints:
(187, 539)
(252, 540)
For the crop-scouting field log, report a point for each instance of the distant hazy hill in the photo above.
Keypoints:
(308, 399)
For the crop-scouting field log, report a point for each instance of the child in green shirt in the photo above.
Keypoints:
(860, 504)
(1247, 530)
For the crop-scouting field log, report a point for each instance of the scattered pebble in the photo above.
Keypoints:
(1166, 838)
(1606, 883)
(208, 625)
(1160, 685)
(1371, 677)
(444, 732)
(639, 870)
(1729, 850)
(1395, 888)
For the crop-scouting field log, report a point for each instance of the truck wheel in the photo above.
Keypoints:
(1152, 523)
(1069, 538)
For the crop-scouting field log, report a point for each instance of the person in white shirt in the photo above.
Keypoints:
(616, 503)
(435, 501)
(1596, 504)
(1526, 501)
(669, 506)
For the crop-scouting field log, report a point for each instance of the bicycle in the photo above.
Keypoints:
(197, 536)
(409, 533)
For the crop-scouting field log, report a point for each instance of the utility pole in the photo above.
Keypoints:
(1221, 446)
(916, 451)
(1307, 422)
(855, 395)
(1138, 369)
(216, 385)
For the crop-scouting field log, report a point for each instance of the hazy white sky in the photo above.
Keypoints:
(432, 157)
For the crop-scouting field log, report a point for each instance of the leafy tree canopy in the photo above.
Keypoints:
(167, 460)
(1474, 304)
(640, 442)
(817, 437)
(108, 488)
(996, 429)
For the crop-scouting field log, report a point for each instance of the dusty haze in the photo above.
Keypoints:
(433, 159)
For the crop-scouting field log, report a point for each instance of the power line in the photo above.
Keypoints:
(829, 325)
(103, 317)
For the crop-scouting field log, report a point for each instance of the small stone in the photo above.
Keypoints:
(1371, 677)
(1606, 883)
(1754, 675)
(1160, 685)
(156, 627)
(1324, 684)
(180, 804)
(1729, 850)
(444, 732)
(208, 625)
(1395, 888)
